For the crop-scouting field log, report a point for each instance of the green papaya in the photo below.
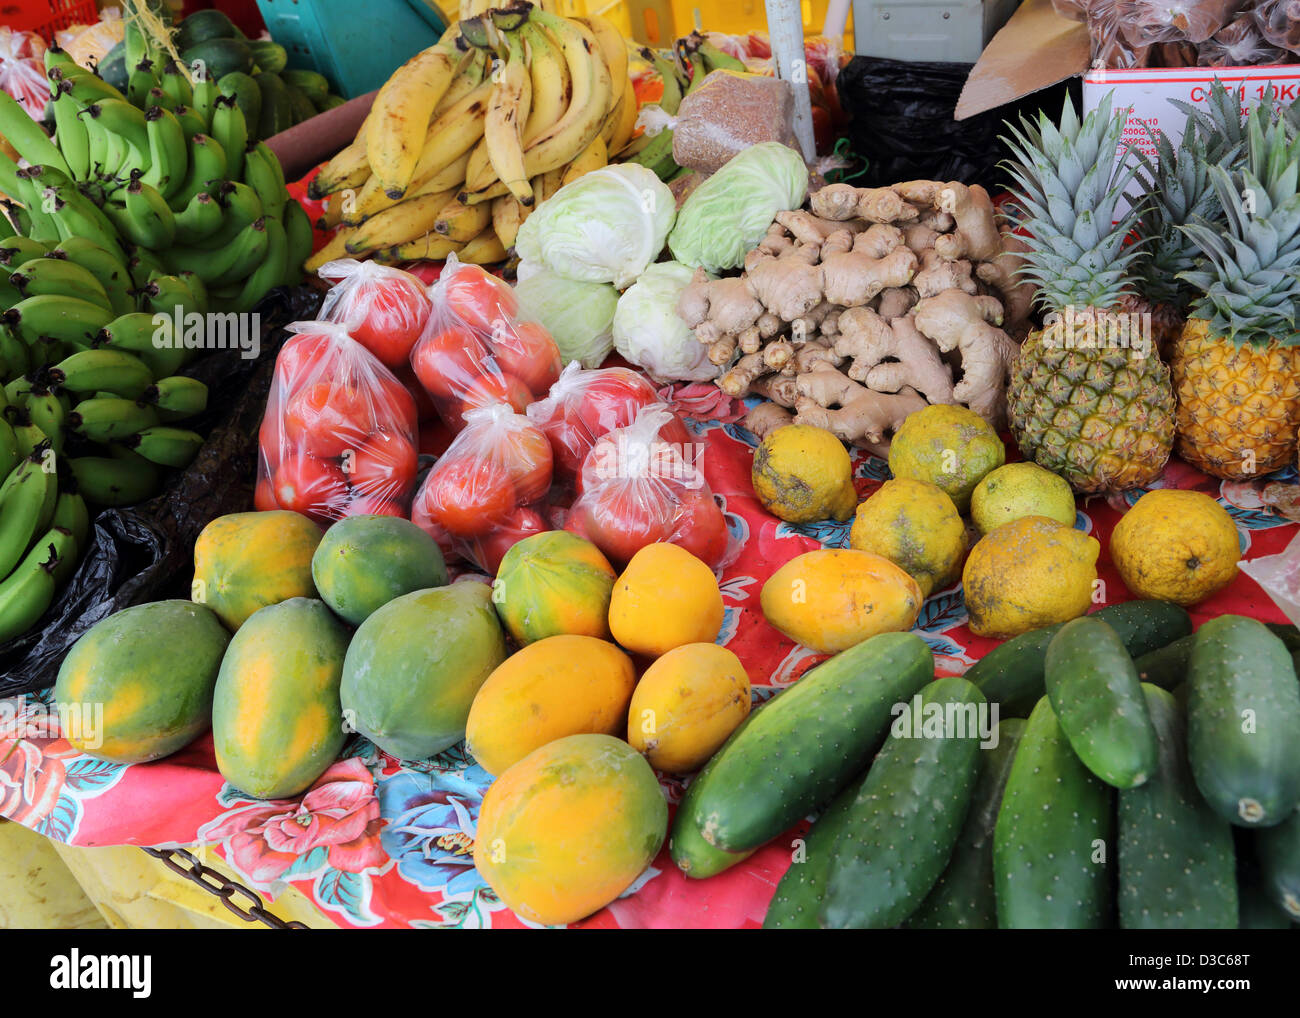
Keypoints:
(363, 562)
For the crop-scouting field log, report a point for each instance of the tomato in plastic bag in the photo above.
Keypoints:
(384, 309)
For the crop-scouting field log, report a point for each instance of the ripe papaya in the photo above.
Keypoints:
(563, 685)
(153, 668)
(246, 561)
(414, 666)
(364, 562)
(276, 718)
(568, 828)
(554, 583)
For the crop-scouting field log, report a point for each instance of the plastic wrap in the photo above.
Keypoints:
(384, 309)
(639, 486)
(1238, 44)
(1279, 23)
(488, 490)
(1152, 22)
(89, 44)
(22, 72)
(727, 114)
(338, 438)
(584, 406)
(1074, 10)
(1279, 575)
(474, 352)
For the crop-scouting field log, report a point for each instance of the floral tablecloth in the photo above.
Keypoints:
(380, 843)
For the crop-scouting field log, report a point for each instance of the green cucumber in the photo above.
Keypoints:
(963, 898)
(314, 85)
(807, 744)
(1011, 675)
(277, 112)
(1093, 687)
(1052, 842)
(798, 897)
(1243, 709)
(1278, 850)
(909, 811)
(1166, 667)
(269, 55)
(299, 105)
(247, 96)
(202, 26)
(1176, 862)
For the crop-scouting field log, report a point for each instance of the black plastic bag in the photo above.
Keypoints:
(145, 552)
(902, 123)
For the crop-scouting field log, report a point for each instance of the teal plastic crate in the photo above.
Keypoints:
(356, 45)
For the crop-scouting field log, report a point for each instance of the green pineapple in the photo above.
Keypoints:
(1090, 398)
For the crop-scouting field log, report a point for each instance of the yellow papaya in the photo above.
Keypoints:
(551, 584)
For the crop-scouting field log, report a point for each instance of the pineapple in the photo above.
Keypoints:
(1236, 363)
(1101, 416)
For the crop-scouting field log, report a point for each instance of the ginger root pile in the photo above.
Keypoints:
(866, 307)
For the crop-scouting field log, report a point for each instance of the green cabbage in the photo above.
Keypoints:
(729, 213)
(578, 315)
(649, 333)
(605, 227)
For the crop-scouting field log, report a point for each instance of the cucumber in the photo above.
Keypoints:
(277, 113)
(1287, 633)
(1011, 675)
(247, 96)
(299, 105)
(694, 856)
(1177, 868)
(314, 85)
(1167, 666)
(963, 898)
(1243, 708)
(1093, 687)
(798, 897)
(1278, 851)
(330, 102)
(806, 744)
(202, 26)
(269, 55)
(1052, 842)
(220, 57)
(909, 811)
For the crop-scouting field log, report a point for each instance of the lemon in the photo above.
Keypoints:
(802, 474)
(949, 446)
(1021, 489)
(915, 525)
(1178, 546)
(1027, 574)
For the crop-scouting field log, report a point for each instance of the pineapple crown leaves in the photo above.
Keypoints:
(1069, 187)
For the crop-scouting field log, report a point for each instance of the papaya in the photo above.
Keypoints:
(563, 685)
(414, 666)
(686, 705)
(569, 828)
(554, 583)
(277, 723)
(153, 667)
(246, 561)
(665, 598)
(364, 562)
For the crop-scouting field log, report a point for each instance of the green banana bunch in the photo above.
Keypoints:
(29, 590)
(27, 499)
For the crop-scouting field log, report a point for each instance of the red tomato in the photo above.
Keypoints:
(264, 496)
(487, 552)
(384, 467)
(449, 362)
(478, 297)
(310, 486)
(299, 358)
(424, 407)
(373, 505)
(327, 419)
(468, 497)
(527, 456)
(528, 352)
(622, 518)
(669, 459)
(701, 527)
(422, 518)
(395, 406)
(611, 400)
(395, 311)
(495, 388)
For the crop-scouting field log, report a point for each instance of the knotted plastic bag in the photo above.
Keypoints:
(384, 309)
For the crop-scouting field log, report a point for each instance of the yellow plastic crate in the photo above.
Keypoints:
(37, 890)
(658, 22)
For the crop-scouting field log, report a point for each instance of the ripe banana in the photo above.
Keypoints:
(503, 127)
(552, 86)
(590, 101)
(613, 51)
(462, 223)
(335, 247)
(56, 317)
(431, 246)
(105, 418)
(109, 481)
(177, 397)
(449, 178)
(29, 590)
(622, 122)
(473, 66)
(593, 157)
(485, 249)
(57, 276)
(507, 216)
(405, 221)
(103, 370)
(348, 169)
(399, 118)
(167, 447)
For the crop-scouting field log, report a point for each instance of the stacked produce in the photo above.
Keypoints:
(208, 47)
(471, 135)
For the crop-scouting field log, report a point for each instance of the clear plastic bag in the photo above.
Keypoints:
(1279, 575)
(585, 405)
(640, 487)
(89, 44)
(384, 309)
(475, 353)
(1152, 22)
(488, 490)
(1279, 23)
(1073, 10)
(729, 113)
(1111, 44)
(22, 73)
(338, 436)
(1239, 44)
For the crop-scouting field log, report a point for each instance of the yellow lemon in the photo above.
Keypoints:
(833, 599)
(1027, 574)
(915, 525)
(1021, 489)
(686, 705)
(802, 474)
(665, 598)
(1178, 546)
(949, 446)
